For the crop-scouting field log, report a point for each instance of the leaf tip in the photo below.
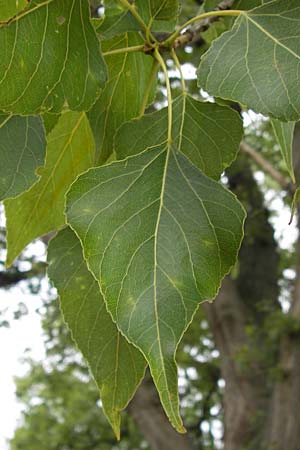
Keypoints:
(114, 419)
(181, 429)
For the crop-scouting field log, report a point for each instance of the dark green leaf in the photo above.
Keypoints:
(70, 151)
(116, 365)
(41, 50)
(118, 24)
(207, 133)
(170, 233)
(284, 133)
(50, 120)
(159, 15)
(123, 95)
(256, 63)
(22, 151)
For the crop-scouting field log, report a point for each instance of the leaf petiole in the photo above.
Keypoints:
(178, 66)
(149, 86)
(184, 93)
(227, 12)
(134, 48)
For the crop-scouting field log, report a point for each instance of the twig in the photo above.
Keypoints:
(267, 167)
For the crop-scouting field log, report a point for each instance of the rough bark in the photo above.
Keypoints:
(243, 396)
(245, 302)
(283, 430)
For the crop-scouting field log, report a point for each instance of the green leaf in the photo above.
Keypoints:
(117, 366)
(22, 151)
(170, 233)
(70, 151)
(9, 8)
(50, 120)
(123, 95)
(114, 25)
(284, 133)
(256, 63)
(210, 5)
(159, 15)
(295, 202)
(247, 4)
(207, 133)
(41, 50)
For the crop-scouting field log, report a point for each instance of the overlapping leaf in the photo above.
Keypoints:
(284, 133)
(22, 151)
(50, 120)
(247, 4)
(257, 62)
(70, 151)
(9, 8)
(118, 20)
(123, 95)
(41, 50)
(159, 15)
(207, 133)
(159, 236)
(116, 365)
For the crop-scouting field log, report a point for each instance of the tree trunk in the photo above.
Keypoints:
(262, 377)
(149, 416)
(245, 392)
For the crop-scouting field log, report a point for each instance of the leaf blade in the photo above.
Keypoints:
(207, 133)
(123, 95)
(55, 34)
(284, 133)
(9, 8)
(130, 202)
(121, 367)
(41, 209)
(22, 151)
(259, 47)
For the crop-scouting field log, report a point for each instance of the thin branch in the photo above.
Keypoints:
(267, 167)
(218, 13)
(193, 33)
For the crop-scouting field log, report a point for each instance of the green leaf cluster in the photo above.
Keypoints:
(146, 231)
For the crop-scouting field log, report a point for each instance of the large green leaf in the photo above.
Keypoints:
(41, 51)
(116, 365)
(284, 133)
(257, 62)
(170, 234)
(123, 95)
(9, 8)
(70, 151)
(22, 151)
(207, 133)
